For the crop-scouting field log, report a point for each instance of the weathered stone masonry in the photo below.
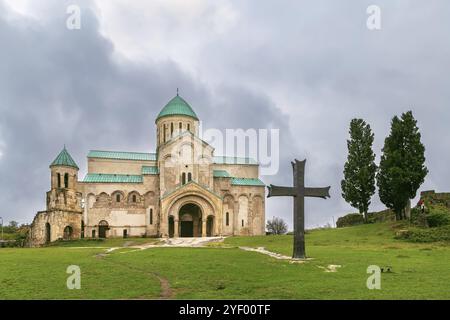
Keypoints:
(182, 189)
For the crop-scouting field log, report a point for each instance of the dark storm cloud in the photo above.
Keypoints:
(65, 87)
(306, 68)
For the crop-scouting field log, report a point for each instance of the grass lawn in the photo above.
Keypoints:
(225, 271)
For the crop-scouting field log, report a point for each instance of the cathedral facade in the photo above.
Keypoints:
(181, 190)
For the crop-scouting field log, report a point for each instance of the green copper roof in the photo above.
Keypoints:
(149, 170)
(122, 155)
(234, 160)
(221, 174)
(177, 106)
(112, 178)
(64, 159)
(247, 182)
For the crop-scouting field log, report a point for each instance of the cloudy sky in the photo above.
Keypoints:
(304, 67)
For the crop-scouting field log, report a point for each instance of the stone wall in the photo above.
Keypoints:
(117, 166)
(138, 218)
(431, 197)
(49, 226)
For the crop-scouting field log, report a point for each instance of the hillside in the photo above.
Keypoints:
(222, 270)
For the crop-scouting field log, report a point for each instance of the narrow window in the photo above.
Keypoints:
(164, 139)
(59, 180)
(179, 126)
(189, 176)
(151, 216)
(134, 198)
(117, 197)
(183, 178)
(66, 180)
(227, 219)
(171, 129)
(242, 222)
(189, 127)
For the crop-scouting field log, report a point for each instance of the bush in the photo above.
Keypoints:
(276, 226)
(348, 220)
(382, 216)
(438, 216)
(425, 235)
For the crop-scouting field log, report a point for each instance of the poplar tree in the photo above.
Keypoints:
(402, 166)
(358, 185)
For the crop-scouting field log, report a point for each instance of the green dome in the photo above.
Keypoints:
(177, 107)
(64, 159)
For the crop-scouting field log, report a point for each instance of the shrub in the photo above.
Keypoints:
(348, 220)
(425, 235)
(382, 216)
(438, 219)
(276, 226)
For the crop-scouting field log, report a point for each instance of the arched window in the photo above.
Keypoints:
(164, 138)
(183, 178)
(171, 129)
(242, 222)
(134, 198)
(68, 231)
(59, 180)
(151, 216)
(227, 219)
(66, 180)
(189, 176)
(118, 197)
(189, 127)
(179, 127)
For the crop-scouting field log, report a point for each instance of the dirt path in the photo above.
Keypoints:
(274, 254)
(166, 291)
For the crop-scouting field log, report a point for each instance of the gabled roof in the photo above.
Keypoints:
(169, 193)
(122, 155)
(185, 134)
(112, 178)
(177, 106)
(64, 159)
(247, 182)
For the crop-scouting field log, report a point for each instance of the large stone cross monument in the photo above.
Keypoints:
(299, 192)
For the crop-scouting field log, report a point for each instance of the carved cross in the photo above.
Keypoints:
(299, 192)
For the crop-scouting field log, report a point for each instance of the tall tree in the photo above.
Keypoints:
(402, 165)
(358, 185)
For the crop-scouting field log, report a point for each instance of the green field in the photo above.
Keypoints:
(223, 271)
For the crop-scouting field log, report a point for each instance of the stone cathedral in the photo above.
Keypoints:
(181, 190)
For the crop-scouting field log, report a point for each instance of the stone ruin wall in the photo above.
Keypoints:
(58, 220)
(431, 197)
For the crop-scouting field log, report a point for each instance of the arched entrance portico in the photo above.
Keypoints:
(190, 218)
(186, 213)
